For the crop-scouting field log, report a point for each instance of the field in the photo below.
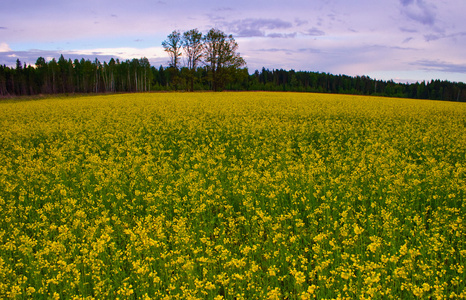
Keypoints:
(232, 196)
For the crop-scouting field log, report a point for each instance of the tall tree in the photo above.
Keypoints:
(172, 46)
(42, 77)
(134, 66)
(146, 74)
(193, 48)
(65, 75)
(18, 79)
(3, 90)
(53, 68)
(97, 68)
(221, 56)
(111, 69)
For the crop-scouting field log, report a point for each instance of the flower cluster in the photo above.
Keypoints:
(232, 196)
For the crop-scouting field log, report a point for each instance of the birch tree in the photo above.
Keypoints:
(172, 46)
(193, 49)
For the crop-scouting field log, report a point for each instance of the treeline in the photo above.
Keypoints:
(137, 75)
(78, 76)
(300, 81)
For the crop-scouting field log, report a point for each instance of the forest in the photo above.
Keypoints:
(211, 62)
(137, 75)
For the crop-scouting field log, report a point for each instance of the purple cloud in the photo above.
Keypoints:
(441, 66)
(257, 27)
(407, 40)
(282, 35)
(409, 30)
(273, 50)
(309, 50)
(224, 9)
(406, 2)
(432, 37)
(300, 22)
(438, 36)
(419, 11)
(314, 32)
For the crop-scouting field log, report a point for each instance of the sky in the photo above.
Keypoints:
(400, 40)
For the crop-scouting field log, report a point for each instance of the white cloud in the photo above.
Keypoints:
(124, 52)
(4, 47)
(156, 55)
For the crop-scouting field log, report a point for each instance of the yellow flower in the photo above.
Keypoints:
(274, 294)
(357, 229)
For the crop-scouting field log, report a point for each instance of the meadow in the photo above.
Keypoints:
(232, 196)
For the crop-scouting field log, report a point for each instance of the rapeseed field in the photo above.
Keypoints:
(232, 196)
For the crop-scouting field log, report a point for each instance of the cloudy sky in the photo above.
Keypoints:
(403, 40)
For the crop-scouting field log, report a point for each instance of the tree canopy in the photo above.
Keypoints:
(172, 46)
(221, 57)
(193, 49)
(218, 52)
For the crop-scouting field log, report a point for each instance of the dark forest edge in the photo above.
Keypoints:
(137, 75)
